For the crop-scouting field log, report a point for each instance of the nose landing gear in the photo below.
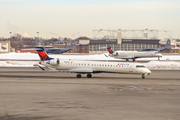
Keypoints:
(143, 76)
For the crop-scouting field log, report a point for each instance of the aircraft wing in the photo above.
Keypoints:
(77, 71)
(70, 70)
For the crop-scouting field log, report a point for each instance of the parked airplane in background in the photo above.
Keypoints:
(89, 67)
(132, 54)
(61, 50)
(167, 46)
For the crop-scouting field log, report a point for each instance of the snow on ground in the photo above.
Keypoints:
(163, 65)
(18, 63)
(32, 56)
(30, 59)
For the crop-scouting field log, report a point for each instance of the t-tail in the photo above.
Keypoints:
(42, 54)
(73, 45)
(168, 44)
(109, 49)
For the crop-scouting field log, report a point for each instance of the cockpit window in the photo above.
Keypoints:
(140, 66)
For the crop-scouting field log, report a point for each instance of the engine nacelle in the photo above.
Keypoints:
(53, 62)
(115, 54)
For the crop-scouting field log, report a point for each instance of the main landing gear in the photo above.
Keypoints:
(88, 75)
(78, 75)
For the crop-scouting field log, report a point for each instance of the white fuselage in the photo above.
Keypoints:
(97, 66)
(134, 54)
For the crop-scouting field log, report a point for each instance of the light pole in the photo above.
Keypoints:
(37, 35)
(37, 38)
(10, 34)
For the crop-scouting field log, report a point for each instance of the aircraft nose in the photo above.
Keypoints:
(148, 71)
(159, 55)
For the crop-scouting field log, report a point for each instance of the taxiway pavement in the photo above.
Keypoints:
(32, 94)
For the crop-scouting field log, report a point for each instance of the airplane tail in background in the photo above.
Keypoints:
(41, 52)
(168, 44)
(109, 49)
(73, 44)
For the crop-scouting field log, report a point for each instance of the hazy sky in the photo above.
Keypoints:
(74, 18)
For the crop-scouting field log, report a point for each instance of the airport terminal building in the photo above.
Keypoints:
(125, 40)
(99, 46)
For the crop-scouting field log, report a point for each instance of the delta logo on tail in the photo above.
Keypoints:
(109, 50)
(42, 54)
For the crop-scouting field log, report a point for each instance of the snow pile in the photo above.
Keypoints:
(19, 56)
(163, 65)
(32, 56)
(18, 63)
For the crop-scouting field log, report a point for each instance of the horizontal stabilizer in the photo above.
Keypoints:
(41, 67)
(37, 48)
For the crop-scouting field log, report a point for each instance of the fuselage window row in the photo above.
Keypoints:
(103, 65)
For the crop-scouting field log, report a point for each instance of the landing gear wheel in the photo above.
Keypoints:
(78, 75)
(143, 76)
(89, 75)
